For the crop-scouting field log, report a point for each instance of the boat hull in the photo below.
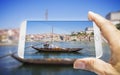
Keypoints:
(57, 49)
(45, 61)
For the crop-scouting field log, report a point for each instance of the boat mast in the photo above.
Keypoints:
(52, 35)
(46, 15)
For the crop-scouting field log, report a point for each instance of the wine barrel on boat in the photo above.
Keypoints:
(57, 49)
(45, 61)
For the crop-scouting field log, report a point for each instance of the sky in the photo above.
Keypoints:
(59, 27)
(13, 12)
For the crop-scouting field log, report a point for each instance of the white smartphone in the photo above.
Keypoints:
(59, 39)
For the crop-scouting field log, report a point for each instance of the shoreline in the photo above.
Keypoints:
(8, 44)
(15, 43)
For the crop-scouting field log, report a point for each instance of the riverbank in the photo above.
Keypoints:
(8, 44)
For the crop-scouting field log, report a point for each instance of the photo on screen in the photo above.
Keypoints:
(59, 39)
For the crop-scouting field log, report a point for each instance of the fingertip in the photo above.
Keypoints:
(79, 65)
(90, 14)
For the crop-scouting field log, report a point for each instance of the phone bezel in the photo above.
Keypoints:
(97, 40)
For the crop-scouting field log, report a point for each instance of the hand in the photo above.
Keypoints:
(112, 35)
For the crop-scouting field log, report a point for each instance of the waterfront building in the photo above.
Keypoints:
(89, 30)
(9, 35)
(114, 17)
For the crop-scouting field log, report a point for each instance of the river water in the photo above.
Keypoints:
(10, 66)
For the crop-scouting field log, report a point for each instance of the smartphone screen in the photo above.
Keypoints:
(59, 39)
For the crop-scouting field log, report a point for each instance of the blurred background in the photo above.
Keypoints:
(14, 12)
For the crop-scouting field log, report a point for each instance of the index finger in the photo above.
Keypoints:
(108, 30)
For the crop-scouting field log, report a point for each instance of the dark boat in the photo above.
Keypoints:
(45, 61)
(57, 49)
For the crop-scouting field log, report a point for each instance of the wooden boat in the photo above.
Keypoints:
(57, 49)
(54, 49)
(45, 61)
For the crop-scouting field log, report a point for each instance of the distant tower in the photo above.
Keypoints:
(46, 14)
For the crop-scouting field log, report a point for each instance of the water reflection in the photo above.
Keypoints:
(10, 66)
(50, 70)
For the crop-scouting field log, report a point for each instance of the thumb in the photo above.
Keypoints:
(95, 65)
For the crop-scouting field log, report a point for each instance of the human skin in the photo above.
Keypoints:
(112, 35)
